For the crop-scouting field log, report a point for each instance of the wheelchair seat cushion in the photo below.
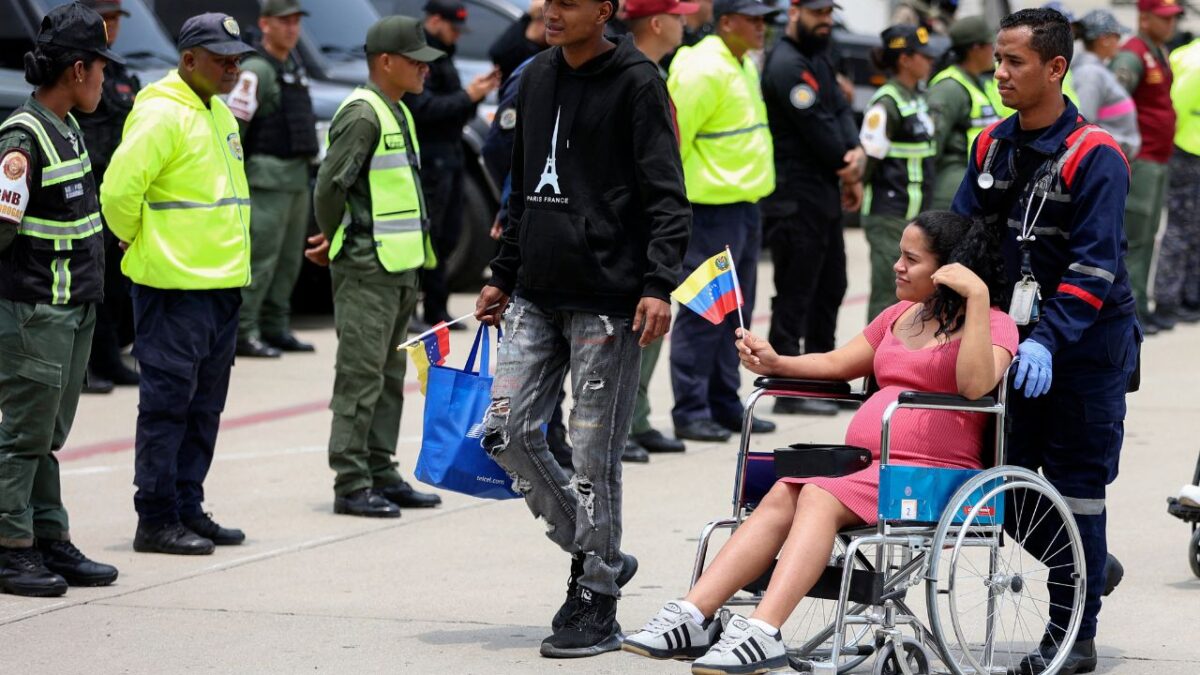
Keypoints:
(918, 437)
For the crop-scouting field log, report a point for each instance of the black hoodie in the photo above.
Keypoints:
(598, 216)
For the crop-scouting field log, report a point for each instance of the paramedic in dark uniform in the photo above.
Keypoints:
(1071, 295)
(818, 168)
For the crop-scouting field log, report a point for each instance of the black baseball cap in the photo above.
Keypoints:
(216, 32)
(75, 26)
(453, 11)
(906, 38)
(743, 7)
(816, 4)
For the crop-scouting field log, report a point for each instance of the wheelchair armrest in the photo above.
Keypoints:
(919, 398)
(798, 386)
(804, 460)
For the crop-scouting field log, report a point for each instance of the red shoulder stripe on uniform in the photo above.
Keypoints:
(984, 142)
(1083, 295)
(1093, 140)
(811, 80)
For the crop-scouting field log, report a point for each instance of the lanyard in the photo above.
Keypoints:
(1027, 226)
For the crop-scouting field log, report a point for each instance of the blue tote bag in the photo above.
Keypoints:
(452, 455)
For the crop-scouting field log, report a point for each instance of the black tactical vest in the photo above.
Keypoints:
(57, 256)
(290, 130)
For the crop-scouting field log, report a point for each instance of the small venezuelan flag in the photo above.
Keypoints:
(712, 291)
(430, 350)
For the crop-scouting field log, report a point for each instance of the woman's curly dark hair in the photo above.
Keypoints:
(973, 244)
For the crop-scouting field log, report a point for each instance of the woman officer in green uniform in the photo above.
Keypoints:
(897, 135)
(51, 277)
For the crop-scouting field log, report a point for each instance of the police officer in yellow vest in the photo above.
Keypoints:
(51, 277)
(176, 194)
(897, 135)
(373, 223)
(959, 104)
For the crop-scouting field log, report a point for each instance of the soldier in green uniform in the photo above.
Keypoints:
(51, 277)
(275, 114)
(374, 228)
(959, 105)
(897, 135)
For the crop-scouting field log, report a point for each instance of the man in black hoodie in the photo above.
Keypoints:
(598, 226)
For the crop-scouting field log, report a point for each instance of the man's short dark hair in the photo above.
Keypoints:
(1052, 33)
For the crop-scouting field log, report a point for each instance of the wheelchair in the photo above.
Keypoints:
(986, 598)
(1191, 515)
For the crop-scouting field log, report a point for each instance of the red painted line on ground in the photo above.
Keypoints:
(276, 414)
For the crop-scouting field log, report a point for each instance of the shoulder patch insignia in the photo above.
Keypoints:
(243, 100)
(508, 119)
(873, 136)
(802, 97)
(14, 186)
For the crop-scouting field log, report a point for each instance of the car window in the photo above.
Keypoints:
(142, 39)
(339, 29)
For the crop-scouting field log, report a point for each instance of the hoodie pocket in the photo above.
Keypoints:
(556, 255)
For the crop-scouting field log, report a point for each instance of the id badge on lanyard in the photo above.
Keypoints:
(1026, 297)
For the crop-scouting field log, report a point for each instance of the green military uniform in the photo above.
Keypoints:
(278, 131)
(372, 305)
(1148, 80)
(961, 109)
(898, 137)
(44, 342)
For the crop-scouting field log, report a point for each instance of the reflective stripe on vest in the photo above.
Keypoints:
(397, 208)
(55, 171)
(982, 111)
(912, 154)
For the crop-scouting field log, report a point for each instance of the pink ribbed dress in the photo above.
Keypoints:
(920, 437)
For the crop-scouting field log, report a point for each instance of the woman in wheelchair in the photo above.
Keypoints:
(945, 335)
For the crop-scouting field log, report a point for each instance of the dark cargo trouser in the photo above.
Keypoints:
(582, 514)
(371, 314)
(1073, 435)
(1177, 275)
(43, 357)
(184, 344)
(1143, 214)
(278, 225)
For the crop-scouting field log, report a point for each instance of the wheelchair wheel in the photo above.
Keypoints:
(989, 597)
(1194, 552)
(917, 658)
(811, 629)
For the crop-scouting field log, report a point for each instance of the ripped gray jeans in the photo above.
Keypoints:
(583, 513)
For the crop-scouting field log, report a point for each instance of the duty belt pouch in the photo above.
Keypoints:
(804, 460)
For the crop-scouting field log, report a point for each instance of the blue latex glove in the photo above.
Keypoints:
(1034, 368)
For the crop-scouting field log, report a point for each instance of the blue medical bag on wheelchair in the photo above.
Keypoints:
(920, 494)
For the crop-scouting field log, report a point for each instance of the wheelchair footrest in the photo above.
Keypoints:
(1184, 512)
(865, 587)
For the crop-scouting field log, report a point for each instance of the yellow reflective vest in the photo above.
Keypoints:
(1185, 93)
(176, 191)
(397, 205)
(983, 112)
(728, 154)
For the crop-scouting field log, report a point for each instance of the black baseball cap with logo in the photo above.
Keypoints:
(453, 11)
(909, 39)
(75, 26)
(216, 32)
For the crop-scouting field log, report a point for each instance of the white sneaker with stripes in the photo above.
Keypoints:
(672, 634)
(744, 649)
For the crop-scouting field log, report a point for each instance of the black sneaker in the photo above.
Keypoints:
(67, 561)
(206, 527)
(590, 630)
(628, 569)
(170, 538)
(22, 572)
